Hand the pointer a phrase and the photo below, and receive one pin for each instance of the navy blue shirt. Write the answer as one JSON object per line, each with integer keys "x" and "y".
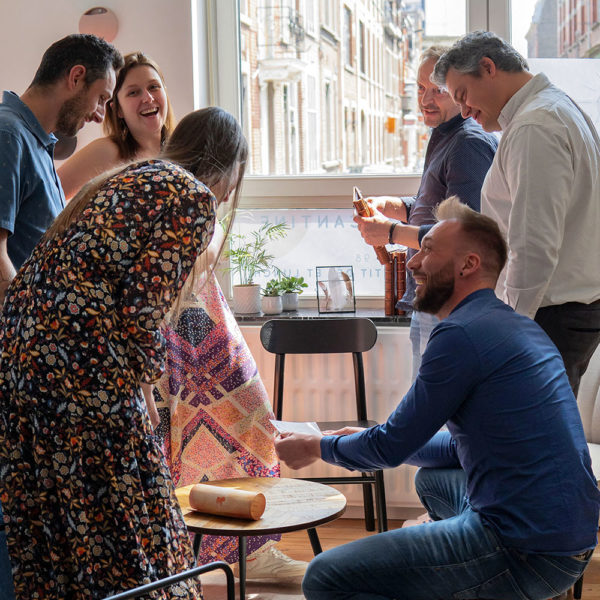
{"x": 459, "y": 155}
{"x": 497, "y": 381}
{"x": 30, "y": 192}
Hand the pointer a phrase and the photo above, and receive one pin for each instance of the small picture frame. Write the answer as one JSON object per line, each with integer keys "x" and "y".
{"x": 335, "y": 289}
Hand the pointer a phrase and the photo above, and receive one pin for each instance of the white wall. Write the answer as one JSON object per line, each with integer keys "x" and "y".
{"x": 160, "y": 28}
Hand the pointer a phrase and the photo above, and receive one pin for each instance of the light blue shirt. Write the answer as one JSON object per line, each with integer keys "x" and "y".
{"x": 30, "y": 192}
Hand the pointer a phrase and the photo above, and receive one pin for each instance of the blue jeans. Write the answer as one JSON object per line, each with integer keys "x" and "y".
{"x": 421, "y": 325}
{"x": 455, "y": 558}
{"x": 6, "y": 580}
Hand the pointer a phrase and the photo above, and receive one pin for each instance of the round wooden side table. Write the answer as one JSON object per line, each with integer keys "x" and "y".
{"x": 292, "y": 504}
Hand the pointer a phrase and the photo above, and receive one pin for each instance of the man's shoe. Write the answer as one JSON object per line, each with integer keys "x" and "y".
{"x": 272, "y": 564}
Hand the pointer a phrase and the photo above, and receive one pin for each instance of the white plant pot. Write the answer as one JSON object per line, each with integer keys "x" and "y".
{"x": 246, "y": 299}
{"x": 272, "y": 305}
{"x": 290, "y": 301}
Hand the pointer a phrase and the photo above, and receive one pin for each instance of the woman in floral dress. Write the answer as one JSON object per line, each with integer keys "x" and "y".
{"x": 214, "y": 409}
{"x": 88, "y": 500}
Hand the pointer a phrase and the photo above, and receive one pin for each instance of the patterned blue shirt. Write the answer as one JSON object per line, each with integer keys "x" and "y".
{"x": 30, "y": 192}
{"x": 498, "y": 382}
{"x": 459, "y": 155}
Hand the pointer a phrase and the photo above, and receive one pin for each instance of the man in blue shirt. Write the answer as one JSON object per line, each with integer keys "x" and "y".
{"x": 459, "y": 155}
{"x": 524, "y": 522}
{"x": 71, "y": 87}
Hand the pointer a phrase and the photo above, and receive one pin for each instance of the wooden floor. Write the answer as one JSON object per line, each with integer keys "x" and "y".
{"x": 334, "y": 534}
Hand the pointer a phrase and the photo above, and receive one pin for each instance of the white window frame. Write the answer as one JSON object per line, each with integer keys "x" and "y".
{"x": 331, "y": 191}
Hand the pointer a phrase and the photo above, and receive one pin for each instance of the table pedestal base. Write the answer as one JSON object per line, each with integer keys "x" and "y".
{"x": 242, "y": 549}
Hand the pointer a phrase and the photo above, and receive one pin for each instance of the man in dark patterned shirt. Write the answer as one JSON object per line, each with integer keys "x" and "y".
{"x": 458, "y": 157}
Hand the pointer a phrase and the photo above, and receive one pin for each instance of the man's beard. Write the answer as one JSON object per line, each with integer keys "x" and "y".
{"x": 71, "y": 114}
{"x": 438, "y": 288}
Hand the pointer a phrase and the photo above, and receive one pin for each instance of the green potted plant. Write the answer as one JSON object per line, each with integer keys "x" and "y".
{"x": 291, "y": 287}
{"x": 271, "y": 301}
{"x": 248, "y": 257}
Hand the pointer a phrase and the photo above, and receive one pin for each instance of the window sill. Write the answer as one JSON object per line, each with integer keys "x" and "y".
{"x": 376, "y": 316}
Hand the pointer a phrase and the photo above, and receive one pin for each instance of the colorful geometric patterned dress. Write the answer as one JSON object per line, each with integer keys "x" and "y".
{"x": 213, "y": 406}
{"x": 87, "y": 496}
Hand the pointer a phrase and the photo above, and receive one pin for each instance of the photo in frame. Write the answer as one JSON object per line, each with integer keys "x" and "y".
{"x": 335, "y": 289}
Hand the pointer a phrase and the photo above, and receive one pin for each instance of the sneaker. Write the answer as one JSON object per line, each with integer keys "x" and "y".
{"x": 424, "y": 518}
{"x": 272, "y": 564}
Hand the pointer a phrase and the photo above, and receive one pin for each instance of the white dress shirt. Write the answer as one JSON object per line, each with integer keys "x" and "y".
{"x": 543, "y": 189}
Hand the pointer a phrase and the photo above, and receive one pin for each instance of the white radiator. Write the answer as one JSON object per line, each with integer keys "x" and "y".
{"x": 321, "y": 388}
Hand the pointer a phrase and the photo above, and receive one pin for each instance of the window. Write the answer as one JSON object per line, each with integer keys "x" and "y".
{"x": 316, "y": 129}
{"x": 329, "y": 11}
{"x": 362, "y": 50}
{"x": 310, "y": 16}
{"x": 331, "y": 161}
{"x": 286, "y": 22}
{"x": 380, "y": 45}
{"x": 325, "y": 233}
{"x": 547, "y": 33}
{"x": 348, "y": 44}
{"x": 312, "y": 131}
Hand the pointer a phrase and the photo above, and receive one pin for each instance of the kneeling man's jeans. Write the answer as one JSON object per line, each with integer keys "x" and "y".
{"x": 457, "y": 557}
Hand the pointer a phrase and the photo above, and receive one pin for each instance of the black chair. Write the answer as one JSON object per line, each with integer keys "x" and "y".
{"x": 328, "y": 336}
{"x": 173, "y": 579}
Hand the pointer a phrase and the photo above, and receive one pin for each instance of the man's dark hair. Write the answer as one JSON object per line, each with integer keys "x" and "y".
{"x": 94, "y": 53}
{"x": 480, "y": 230}
{"x": 466, "y": 54}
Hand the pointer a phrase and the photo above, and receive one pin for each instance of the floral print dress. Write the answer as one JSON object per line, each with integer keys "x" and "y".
{"x": 88, "y": 502}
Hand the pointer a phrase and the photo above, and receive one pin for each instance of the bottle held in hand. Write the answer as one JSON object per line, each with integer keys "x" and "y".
{"x": 364, "y": 210}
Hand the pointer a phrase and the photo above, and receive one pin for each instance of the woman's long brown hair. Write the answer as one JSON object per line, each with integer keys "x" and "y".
{"x": 209, "y": 143}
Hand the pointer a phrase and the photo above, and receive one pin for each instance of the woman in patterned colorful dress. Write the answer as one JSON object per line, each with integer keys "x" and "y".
{"x": 214, "y": 409}
{"x": 88, "y": 500}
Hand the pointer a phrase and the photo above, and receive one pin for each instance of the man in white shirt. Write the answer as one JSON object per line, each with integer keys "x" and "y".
{"x": 543, "y": 189}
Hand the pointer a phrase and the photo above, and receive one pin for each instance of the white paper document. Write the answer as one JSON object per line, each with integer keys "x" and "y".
{"x": 295, "y": 427}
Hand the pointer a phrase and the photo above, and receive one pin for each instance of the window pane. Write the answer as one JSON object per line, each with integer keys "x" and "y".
{"x": 331, "y": 85}
{"x": 547, "y": 32}
{"x": 556, "y": 28}
{"x": 316, "y": 238}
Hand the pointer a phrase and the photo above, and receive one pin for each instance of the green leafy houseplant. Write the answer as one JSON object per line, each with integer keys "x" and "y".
{"x": 272, "y": 288}
{"x": 291, "y": 284}
{"x": 247, "y": 254}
